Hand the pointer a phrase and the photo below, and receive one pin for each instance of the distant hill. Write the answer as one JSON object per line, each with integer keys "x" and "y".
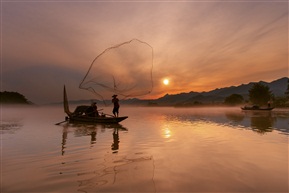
{"x": 13, "y": 98}
{"x": 216, "y": 96}
{"x": 278, "y": 88}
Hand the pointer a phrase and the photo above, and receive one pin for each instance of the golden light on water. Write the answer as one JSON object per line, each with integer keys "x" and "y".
{"x": 167, "y": 132}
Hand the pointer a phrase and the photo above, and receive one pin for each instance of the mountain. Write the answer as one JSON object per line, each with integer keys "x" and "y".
{"x": 278, "y": 88}
{"x": 216, "y": 96}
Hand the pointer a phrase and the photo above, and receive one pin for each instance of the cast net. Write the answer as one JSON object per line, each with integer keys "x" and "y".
{"x": 124, "y": 69}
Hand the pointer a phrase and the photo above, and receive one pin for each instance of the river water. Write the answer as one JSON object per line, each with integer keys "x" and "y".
{"x": 155, "y": 150}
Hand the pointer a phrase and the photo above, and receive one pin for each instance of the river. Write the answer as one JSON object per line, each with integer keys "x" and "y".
{"x": 157, "y": 149}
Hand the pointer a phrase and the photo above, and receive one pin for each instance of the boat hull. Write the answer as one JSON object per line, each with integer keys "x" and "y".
{"x": 85, "y": 119}
{"x": 257, "y": 109}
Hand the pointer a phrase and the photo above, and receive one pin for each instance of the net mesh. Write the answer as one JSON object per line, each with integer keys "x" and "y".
{"x": 124, "y": 69}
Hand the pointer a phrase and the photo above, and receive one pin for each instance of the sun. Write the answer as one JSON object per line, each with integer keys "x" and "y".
{"x": 166, "y": 82}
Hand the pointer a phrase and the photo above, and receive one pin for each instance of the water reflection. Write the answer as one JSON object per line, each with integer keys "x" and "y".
{"x": 120, "y": 174}
{"x": 235, "y": 117}
{"x": 262, "y": 124}
{"x": 91, "y": 130}
{"x": 115, "y": 144}
{"x": 9, "y": 127}
{"x": 259, "y": 122}
{"x": 167, "y": 132}
{"x": 106, "y": 171}
{"x": 64, "y": 139}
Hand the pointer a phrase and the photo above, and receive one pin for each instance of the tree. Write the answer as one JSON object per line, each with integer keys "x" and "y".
{"x": 287, "y": 91}
{"x": 260, "y": 94}
{"x": 13, "y": 98}
{"x": 234, "y": 99}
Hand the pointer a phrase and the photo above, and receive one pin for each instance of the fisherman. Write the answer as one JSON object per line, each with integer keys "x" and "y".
{"x": 269, "y": 103}
{"x": 115, "y": 105}
{"x": 92, "y": 110}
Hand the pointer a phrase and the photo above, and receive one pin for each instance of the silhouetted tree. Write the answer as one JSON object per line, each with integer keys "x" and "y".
{"x": 13, "y": 98}
{"x": 260, "y": 94}
{"x": 287, "y": 91}
{"x": 234, "y": 99}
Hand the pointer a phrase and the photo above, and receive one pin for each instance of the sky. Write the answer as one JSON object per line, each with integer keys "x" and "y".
{"x": 197, "y": 45}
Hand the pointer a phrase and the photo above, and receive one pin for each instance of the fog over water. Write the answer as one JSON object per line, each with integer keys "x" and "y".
{"x": 154, "y": 150}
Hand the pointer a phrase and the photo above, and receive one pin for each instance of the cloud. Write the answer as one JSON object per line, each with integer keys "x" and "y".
{"x": 199, "y": 45}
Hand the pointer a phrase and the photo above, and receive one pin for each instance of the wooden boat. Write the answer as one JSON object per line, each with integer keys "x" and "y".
{"x": 78, "y": 117}
{"x": 257, "y": 108}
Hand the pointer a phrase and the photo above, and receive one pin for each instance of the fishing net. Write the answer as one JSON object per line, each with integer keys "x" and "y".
{"x": 124, "y": 69}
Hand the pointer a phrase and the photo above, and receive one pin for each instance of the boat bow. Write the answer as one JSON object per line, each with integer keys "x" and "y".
{"x": 65, "y": 103}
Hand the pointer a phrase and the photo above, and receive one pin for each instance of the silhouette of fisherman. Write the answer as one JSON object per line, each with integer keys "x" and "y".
{"x": 115, "y": 102}
{"x": 92, "y": 110}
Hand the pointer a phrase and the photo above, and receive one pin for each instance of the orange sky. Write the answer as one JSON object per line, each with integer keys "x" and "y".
{"x": 198, "y": 46}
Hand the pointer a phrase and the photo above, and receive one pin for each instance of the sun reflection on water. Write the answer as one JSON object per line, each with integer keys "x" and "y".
{"x": 166, "y": 132}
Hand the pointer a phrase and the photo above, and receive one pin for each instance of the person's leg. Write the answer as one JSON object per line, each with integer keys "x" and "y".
{"x": 114, "y": 111}
{"x": 117, "y": 112}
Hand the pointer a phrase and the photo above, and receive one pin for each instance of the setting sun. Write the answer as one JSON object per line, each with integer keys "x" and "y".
{"x": 166, "y": 81}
